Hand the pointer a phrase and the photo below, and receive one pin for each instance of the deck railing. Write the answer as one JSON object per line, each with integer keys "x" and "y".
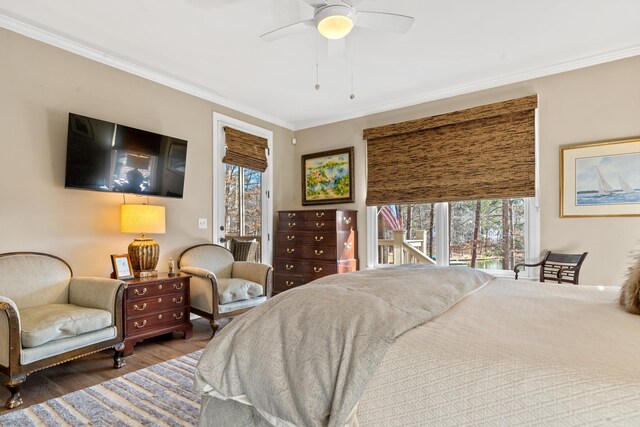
{"x": 401, "y": 251}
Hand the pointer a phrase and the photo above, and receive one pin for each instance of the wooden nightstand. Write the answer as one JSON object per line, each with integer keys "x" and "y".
{"x": 155, "y": 306}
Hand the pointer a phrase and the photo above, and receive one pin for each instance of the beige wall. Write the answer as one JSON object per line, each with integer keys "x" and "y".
{"x": 592, "y": 104}
{"x": 39, "y": 86}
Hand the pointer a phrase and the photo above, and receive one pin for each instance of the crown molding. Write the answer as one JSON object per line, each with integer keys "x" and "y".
{"x": 472, "y": 87}
{"x": 113, "y": 60}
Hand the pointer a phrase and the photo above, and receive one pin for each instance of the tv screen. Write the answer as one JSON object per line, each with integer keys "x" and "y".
{"x": 105, "y": 156}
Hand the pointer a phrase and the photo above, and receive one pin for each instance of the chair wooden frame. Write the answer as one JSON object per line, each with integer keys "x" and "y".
{"x": 563, "y": 268}
{"x": 216, "y": 315}
{"x": 18, "y": 372}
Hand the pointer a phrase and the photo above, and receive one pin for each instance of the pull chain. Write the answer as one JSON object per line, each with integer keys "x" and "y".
{"x": 353, "y": 49}
{"x": 317, "y": 87}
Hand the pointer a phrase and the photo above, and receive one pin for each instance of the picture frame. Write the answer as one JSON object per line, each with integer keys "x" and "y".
{"x": 122, "y": 268}
{"x": 327, "y": 177}
{"x": 600, "y": 179}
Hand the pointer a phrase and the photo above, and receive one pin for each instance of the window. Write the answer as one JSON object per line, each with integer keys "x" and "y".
{"x": 243, "y": 203}
{"x": 484, "y": 234}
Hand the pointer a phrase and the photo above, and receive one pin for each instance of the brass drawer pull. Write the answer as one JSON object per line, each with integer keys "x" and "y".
{"x": 319, "y": 224}
{"x": 135, "y": 307}
{"x": 319, "y": 252}
{"x": 317, "y": 269}
{"x": 175, "y": 286}
{"x": 319, "y": 238}
{"x": 137, "y": 325}
{"x": 288, "y": 283}
{"x": 290, "y": 250}
{"x": 137, "y": 291}
{"x": 178, "y": 301}
{"x": 160, "y": 287}
{"x": 319, "y": 214}
{"x": 291, "y": 215}
{"x": 288, "y": 267}
{"x": 347, "y": 220}
{"x": 348, "y": 245}
{"x": 175, "y": 316}
{"x": 159, "y": 299}
{"x": 159, "y": 316}
{"x": 292, "y": 224}
{"x": 291, "y": 237}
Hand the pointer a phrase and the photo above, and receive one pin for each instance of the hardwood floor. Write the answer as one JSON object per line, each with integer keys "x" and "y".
{"x": 93, "y": 369}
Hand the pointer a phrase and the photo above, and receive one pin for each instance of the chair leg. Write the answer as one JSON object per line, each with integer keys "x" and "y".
{"x": 13, "y": 384}
{"x": 118, "y": 356}
{"x": 214, "y": 325}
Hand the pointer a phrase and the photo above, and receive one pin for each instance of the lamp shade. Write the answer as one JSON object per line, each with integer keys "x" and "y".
{"x": 142, "y": 219}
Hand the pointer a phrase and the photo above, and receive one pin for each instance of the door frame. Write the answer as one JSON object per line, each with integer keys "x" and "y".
{"x": 219, "y": 122}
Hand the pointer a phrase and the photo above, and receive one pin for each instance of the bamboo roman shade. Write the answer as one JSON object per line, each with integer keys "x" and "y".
{"x": 486, "y": 152}
{"x": 246, "y": 150}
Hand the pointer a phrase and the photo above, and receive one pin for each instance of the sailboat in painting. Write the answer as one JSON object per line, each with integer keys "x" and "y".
{"x": 626, "y": 188}
{"x": 604, "y": 188}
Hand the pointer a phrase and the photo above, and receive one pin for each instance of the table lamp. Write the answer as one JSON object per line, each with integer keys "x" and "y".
{"x": 144, "y": 252}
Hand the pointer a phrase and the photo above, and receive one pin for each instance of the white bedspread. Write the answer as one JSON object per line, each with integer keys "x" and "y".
{"x": 515, "y": 353}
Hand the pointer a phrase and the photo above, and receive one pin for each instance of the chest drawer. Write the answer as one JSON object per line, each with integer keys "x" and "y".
{"x": 297, "y": 237}
{"x": 306, "y": 268}
{"x": 282, "y": 282}
{"x": 141, "y": 307}
{"x": 147, "y": 290}
{"x": 146, "y": 323}
{"x": 307, "y": 252}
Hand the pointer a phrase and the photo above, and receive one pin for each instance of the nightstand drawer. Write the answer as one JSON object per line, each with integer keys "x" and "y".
{"x": 144, "y": 324}
{"x": 142, "y": 307}
{"x": 146, "y": 290}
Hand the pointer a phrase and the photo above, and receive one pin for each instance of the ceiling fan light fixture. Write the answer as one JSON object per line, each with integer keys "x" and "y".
{"x": 335, "y": 22}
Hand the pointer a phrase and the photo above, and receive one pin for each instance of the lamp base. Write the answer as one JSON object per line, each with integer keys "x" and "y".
{"x": 144, "y": 254}
{"x": 145, "y": 273}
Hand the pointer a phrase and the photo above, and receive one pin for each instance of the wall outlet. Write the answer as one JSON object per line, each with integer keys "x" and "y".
{"x": 202, "y": 222}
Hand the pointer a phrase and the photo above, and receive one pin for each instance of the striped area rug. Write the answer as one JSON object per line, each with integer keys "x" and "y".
{"x": 160, "y": 395}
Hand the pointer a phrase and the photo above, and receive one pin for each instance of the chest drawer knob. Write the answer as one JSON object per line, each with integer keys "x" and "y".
{"x": 319, "y": 224}
{"x": 140, "y": 292}
{"x": 319, "y": 238}
{"x": 159, "y": 316}
{"x": 291, "y": 224}
{"x": 178, "y": 301}
{"x": 347, "y": 220}
{"x": 290, "y": 250}
{"x": 159, "y": 299}
{"x": 291, "y": 237}
{"x": 319, "y": 252}
{"x": 178, "y": 286}
{"x": 319, "y": 214}
{"x": 317, "y": 269}
{"x": 135, "y": 307}
{"x": 291, "y": 215}
{"x": 138, "y": 325}
{"x": 178, "y": 317}
{"x": 288, "y": 267}
{"x": 347, "y": 245}
{"x": 160, "y": 287}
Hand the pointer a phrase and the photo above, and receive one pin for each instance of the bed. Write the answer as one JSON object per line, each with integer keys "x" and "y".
{"x": 493, "y": 352}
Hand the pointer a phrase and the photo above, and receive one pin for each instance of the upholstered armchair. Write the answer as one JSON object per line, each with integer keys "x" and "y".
{"x": 47, "y": 316}
{"x": 222, "y": 287}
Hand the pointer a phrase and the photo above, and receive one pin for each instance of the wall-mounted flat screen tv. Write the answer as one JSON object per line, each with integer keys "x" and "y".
{"x": 105, "y": 156}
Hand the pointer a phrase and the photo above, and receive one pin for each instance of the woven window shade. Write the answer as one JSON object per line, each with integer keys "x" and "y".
{"x": 246, "y": 150}
{"x": 487, "y": 152}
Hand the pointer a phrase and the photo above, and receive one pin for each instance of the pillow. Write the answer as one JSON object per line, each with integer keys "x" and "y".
{"x": 232, "y": 290}
{"x": 630, "y": 292}
{"x": 241, "y": 249}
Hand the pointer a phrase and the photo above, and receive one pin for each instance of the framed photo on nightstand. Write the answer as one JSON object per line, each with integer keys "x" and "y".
{"x": 122, "y": 268}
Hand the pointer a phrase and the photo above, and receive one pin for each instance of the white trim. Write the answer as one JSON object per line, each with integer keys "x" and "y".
{"x": 219, "y": 122}
{"x": 372, "y": 236}
{"x": 477, "y": 86}
{"x": 442, "y": 233}
{"x": 114, "y": 60}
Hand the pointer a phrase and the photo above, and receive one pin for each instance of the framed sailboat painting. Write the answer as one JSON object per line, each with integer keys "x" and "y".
{"x": 600, "y": 179}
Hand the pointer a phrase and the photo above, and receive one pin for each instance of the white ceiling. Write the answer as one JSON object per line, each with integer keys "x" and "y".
{"x": 211, "y": 48}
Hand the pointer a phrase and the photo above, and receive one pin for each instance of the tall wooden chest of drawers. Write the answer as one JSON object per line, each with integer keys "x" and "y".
{"x": 314, "y": 243}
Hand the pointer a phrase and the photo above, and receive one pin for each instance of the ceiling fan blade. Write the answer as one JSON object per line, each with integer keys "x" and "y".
{"x": 336, "y": 48}
{"x": 316, "y": 3}
{"x": 287, "y": 30}
{"x": 353, "y": 3}
{"x": 383, "y": 21}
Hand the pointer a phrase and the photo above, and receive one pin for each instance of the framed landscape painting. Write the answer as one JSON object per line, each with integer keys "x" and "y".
{"x": 327, "y": 177}
{"x": 601, "y": 179}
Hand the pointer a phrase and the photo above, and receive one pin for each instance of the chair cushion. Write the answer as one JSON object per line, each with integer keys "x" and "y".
{"x": 43, "y": 323}
{"x": 231, "y": 290}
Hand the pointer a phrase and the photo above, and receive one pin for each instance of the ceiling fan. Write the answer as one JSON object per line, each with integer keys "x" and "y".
{"x": 335, "y": 19}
